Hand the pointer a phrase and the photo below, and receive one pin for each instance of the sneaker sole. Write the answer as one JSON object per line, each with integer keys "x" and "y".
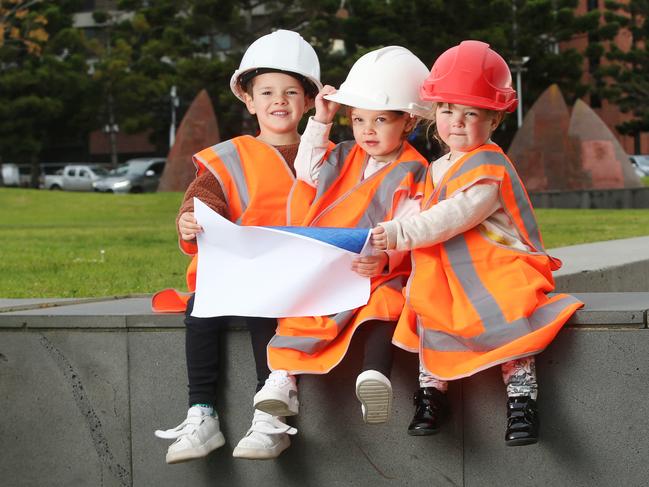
{"x": 260, "y": 453}
{"x": 521, "y": 441}
{"x": 376, "y": 398}
{"x": 210, "y": 445}
{"x": 276, "y": 407}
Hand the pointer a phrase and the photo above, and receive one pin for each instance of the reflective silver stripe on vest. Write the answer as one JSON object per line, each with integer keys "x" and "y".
{"x": 497, "y": 334}
{"x": 313, "y": 345}
{"x": 229, "y": 155}
{"x": 498, "y": 159}
{"x": 332, "y": 166}
{"x": 384, "y": 194}
{"x": 302, "y": 344}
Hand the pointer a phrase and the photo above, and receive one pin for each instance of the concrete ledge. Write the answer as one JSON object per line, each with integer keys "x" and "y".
{"x": 609, "y": 309}
{"x": 80, "y": 405}
{"x": 612, "y": 266}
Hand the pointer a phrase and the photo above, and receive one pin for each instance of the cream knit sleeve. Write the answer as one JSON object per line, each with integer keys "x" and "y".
{"x": 444, "y": 220}
{"x": 310, "y": 154}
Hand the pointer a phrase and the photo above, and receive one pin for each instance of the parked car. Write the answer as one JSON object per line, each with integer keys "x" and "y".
{"x": 135, "y": 176}
{"x": 640, "y": 164}
{"x": 75, "y": 177}
{"x": 10, "y": 175}
{"x": 53, "y": 181}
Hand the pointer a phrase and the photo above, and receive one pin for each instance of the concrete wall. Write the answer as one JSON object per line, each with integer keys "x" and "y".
{"x": 83, "y": 386}
{"x": 593, "y": 199}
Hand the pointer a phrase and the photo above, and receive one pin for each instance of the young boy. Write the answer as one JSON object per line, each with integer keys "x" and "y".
{"x": 357, "y": 184}
{"x": 477, "y": 295}
{"x": 248, "y": 180}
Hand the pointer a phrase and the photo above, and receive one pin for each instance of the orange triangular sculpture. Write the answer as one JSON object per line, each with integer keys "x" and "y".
{"x": 555, "y": 150}
{"x": 543, "y": 153}
{"x": 198, "y": 130}
{"x": 604, "y": 162}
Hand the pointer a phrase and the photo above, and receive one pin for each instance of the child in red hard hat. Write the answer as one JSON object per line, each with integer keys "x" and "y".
{"x": 478, "y": 293}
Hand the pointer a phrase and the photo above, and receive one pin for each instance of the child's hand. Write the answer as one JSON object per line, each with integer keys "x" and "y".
{"x": 188, "y": 226}
{"x": 325, "y": 110}
{"x": 370, "y": 265}
{"x": 379, "y": 238}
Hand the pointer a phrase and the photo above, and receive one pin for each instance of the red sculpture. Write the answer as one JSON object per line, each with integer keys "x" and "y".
{"x": 544, "y": 155}
{"x": 556, "y": 151}
{"x": 198, "y": 130}
{"x": 604, "y": 162}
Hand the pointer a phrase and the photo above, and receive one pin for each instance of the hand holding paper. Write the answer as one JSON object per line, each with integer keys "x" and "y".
{"x": 273, "y": 272}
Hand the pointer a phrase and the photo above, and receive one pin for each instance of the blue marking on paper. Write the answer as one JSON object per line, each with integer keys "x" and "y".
{"x": 351, "y": 239}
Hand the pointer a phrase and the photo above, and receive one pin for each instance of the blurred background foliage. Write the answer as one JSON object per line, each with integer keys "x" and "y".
{"x": 57, "y": 83}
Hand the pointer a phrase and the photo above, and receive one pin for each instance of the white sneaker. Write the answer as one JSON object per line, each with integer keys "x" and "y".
{"x": 196, "y": 437}
{"x": 279, "y": 395}
{"x": 374, "y": 391}
{"x": 266, "y": 438}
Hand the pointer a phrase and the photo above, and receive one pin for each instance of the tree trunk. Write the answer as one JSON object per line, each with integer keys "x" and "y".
{"x": 637, "y": 145}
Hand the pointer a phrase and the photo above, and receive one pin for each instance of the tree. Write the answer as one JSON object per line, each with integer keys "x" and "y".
{"x": 624, "y": 79}
{"x": 42, "y": 81}
{"x": 514, "y": 28}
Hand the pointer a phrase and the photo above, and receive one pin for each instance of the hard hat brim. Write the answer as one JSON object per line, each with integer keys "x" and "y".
{"x": 238, "y": 92}
{"x": 472, "y": 101}
{"x": 356, "y": 101}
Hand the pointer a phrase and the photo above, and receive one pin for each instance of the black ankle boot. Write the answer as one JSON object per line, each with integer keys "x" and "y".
{"x": 430, "y": 413}
{"x": 522, "y": 421}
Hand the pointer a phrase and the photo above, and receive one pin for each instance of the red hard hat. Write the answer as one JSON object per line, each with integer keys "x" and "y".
{"x": 471, "y": 74}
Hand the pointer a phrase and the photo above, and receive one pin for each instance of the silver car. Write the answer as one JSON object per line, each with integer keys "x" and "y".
{"x": 135, "y": 176}
{"x": 640, "y": 164}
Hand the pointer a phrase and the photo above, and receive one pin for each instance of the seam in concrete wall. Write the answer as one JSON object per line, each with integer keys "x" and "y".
{"x": 82, "y": 401}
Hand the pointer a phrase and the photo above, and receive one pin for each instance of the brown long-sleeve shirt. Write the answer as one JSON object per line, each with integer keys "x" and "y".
{"x": 206, "y": 188}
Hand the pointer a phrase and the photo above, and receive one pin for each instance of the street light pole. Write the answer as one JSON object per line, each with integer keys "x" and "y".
{"x": 517, "y": 67}
{"x": 111, "y": 128}
{"x": 175, "y": 102}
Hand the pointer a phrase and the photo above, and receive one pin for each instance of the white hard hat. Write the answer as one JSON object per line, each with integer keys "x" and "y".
{"x": 283, "y": 50}
{"x": 385, "y": 79}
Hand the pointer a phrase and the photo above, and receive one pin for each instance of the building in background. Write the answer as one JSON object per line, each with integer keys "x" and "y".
{"x": 607, "y": 111}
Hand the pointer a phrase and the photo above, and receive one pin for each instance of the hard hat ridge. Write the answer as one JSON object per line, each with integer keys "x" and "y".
{"x": 471, "y": 74}
{"x": 385, "y": 79}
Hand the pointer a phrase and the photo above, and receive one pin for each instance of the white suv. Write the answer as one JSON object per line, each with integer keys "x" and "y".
{"x": 75, "y": 177}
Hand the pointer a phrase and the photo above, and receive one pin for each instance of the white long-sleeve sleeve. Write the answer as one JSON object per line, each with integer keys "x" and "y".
{"x": 311, "y": 151}
{"x": 446, "y": 219}
{"x": 310, "y": 158}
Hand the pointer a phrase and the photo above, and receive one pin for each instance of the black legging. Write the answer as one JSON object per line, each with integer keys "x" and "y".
{"x": 202, "y": 338}
{"x": 378, "y": 348}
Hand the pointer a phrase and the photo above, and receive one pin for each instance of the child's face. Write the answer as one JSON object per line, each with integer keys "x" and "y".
{"x": 278, "y": 100}
{"x": 380, "y": 133}
{"x": 464, "y": 128}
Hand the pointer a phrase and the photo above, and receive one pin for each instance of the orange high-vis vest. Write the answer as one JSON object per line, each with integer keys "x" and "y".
{"x": 344, "y": 199}
{"x": 471, "y": 301}
{"x": 256, "y": 182}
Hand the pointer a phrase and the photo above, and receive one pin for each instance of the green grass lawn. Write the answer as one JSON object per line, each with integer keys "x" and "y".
{"x": 51, "y": 242}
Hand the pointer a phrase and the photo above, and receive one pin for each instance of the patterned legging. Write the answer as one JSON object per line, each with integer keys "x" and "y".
{"x": 518, "y": 375}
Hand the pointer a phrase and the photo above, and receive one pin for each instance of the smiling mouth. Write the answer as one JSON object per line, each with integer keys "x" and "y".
{"x": 279, "y": 113}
